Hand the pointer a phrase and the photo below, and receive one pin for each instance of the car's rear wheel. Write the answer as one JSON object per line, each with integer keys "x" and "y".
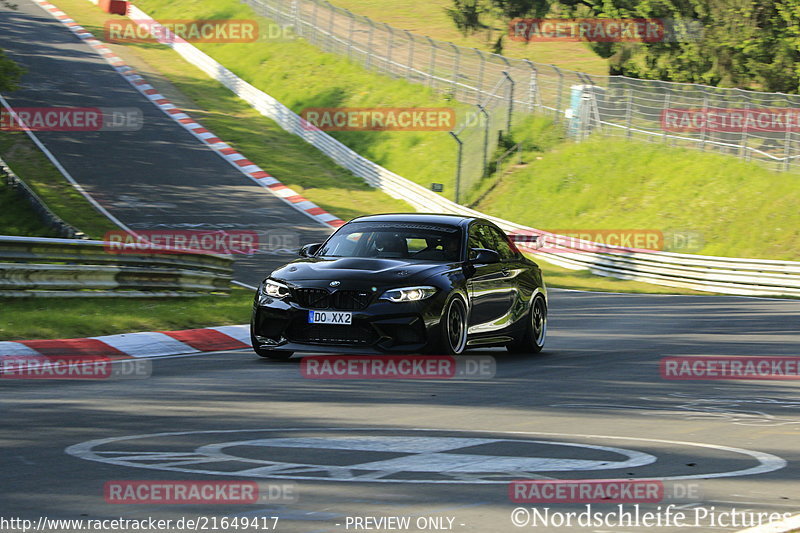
{"x": 532, "y": 341}
{"x": 454, "y": 327}
{"x": 278, "y": 355}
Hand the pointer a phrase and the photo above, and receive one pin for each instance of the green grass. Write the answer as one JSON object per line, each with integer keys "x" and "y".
{"x": 740, "y": 209}
{"x": 33, "y": 318}
{"x": 31, "y": 165}
{"x": 428, "y": 17}
{"x": 16, "y": 216}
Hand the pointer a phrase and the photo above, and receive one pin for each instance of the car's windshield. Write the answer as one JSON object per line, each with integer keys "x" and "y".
{"x": 424, "y": 242}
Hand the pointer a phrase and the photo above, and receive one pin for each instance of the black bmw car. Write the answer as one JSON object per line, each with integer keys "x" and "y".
{"x": 403, "y": 283}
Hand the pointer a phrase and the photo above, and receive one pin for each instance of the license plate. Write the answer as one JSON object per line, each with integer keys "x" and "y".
{"x": 330, "y": 317}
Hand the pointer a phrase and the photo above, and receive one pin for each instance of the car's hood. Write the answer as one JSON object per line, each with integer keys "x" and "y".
{"x": 354, "y": 269}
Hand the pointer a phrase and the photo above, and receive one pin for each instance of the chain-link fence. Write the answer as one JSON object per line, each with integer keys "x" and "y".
{"x": 751, "y": 125}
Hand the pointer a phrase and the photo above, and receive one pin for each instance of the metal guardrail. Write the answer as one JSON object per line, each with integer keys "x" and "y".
{"x": 34, "y": 266}
{"x": 702, "y": 273}
{"x": 40, "y": 208}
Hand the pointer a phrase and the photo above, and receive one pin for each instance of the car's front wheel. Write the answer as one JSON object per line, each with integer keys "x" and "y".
{"x": 454, "y": 327}
{"x": 532, "y": 341}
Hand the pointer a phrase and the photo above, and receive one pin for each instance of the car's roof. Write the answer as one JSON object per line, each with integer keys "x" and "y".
{"x": 430, "y": 218}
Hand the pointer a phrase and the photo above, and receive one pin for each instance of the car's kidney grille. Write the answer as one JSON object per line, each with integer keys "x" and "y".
{"x": 330, "y": 334}
{"x": 312, "y": 298}
{"x": 351, "y": 300}
{"x": 342, "y": 300}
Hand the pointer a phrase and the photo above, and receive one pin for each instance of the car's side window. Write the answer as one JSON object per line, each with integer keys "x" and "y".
{"x": 479, "y": 237}
{"x": 501, "y": 244}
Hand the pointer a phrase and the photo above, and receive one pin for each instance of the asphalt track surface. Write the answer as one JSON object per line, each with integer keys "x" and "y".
{"x": 592, "y": 406}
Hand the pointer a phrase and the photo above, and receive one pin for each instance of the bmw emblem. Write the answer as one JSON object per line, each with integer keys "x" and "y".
{"x": 335, "y": 283}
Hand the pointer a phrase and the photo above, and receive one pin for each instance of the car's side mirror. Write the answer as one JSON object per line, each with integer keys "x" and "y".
{"x": 483, "y": 256}
{"x": 310, "y": 249}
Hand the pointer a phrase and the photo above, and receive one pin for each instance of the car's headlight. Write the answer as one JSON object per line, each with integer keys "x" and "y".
{"x": 272, "y": 289}
{"x": 408, "y": 294}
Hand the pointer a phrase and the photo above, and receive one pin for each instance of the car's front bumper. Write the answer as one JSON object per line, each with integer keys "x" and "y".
{"x": 382, "y": 327}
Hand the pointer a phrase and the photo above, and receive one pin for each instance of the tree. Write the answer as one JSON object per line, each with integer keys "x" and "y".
{"x": 743, "y": 43}
{"x": 467, "y": 14}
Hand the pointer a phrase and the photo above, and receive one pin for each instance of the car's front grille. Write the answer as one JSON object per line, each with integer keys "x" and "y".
{"x": 312, "y": 298}
{"x": 351, "y": 300}
{"x": 330, "y": 334}
{"x": 345, "y": 300}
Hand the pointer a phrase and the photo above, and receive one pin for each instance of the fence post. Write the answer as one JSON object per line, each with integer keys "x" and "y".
{"x": 743, "y": 141}
{"x": 666, "y": 106}
{"x": 787, "y": 148}
{"x": 558, "y": 93}
{"x": 481, "y": 68}
{"x": 458, "y": 166}
{"x": 432, "y": 66}
{"x": 296, "y": 15}
{"x": 533, "y": 89}
{"x": 350, "y": 34}
{"x": 314, "y": 37}
{"x": 629, "y": 112}
{"x": 703, "y": 129}
{"x": 331, "y": 41}
{"x": 486, "y": 121}
{"x": 369, "y": 42}
{"x": 410, "y": 65}
{"x": 510, "y": 100}
{"x": 456, "y": 64}
{"x": 389, "y": 46}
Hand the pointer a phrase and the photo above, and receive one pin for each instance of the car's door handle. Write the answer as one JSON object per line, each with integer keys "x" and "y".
{"x": 505, "y": 272}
